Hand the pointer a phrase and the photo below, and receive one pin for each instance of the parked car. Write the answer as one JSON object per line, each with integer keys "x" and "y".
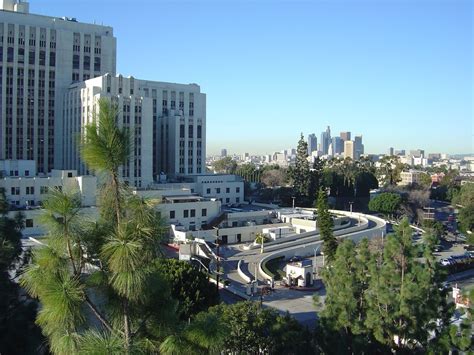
{"x": 446, "y": 262}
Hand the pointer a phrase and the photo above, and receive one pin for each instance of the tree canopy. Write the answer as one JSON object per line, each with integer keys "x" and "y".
{"x": 381, "y": 300}
{"x": 387, "y": 203}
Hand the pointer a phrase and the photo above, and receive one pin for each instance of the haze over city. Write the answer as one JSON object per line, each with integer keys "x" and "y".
{"x": 397, "y": 72}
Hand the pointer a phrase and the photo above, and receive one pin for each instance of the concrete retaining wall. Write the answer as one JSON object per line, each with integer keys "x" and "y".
{"x": 353, "y": 233}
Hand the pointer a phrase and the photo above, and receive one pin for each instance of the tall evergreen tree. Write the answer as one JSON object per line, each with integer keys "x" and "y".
{"x": 325, "y": 225}
{"x": 316, "y": 176}
{"x": 100, "y": 282}
{"x": 344, "y": 309}
{"x": 403, "y": 295}
{"x": 299, "y": 173}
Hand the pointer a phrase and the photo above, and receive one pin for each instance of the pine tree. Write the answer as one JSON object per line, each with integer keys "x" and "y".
{"x": 325, "y": 225}
{"x": 100, "y": 283}
{"x": 299, "y": 173}
{"x": 403, "y": 296}
{"x": 343, "y": 316}
{"x": 316, "y": 177}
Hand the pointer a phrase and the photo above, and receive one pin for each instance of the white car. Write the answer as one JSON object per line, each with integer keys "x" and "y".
{"x": 445, "y": 262}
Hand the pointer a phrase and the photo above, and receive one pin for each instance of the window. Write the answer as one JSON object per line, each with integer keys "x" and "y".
{"x": 10, "y": 54}
{"x": 43, "y": 190}
{"x": 190, "y": 131}
{"x": 204, "y": 212}
{"x": 227, "y": 190}
{"x": 193, "y": 213}
{"x": 237, "y": 189}
{"x": 42, "y": 58}
{"x": 96, "y": 63}
{"x": 27, "y": 173}
{"x": 31, "y": 57}
{"x": 199, "y": 131}
{"x": 75, "y": 61}
{"x": 87, "y": 62}
{"x": 69, "y": 174}
{"x": 172, "y": 214}
{"x": 29, "y": 223}
{"x": 30, "y": 190}
{"x": 218, "y": 190}
{"x": 237, "y": 200}
{"x": 181, "y": 131}
{"x": 52, "y": 59}
{"x": 185, "y": 213}
{"x": 227, "y": 200}
{"x": 15, "y": 190}
{"x": 208, "y": 191}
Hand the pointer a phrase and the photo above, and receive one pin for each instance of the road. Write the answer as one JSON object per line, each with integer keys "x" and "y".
{"x": 298, "y": 303}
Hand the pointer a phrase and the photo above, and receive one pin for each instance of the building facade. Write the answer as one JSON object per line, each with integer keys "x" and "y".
{"x": 345, "y": 136}
{"x": 167, "y": 123}
{"x": 40, "y": 56}
{"x": 312, "y": 143}
{"x": 337, "y": 145}
{"x": 349, "y": 150}
{"x": 325, "y": 140}
{"x": 358, "y": 147}
{"x": 25, "y": 190}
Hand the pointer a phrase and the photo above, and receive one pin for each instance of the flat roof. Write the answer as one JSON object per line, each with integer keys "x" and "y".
{"x": 184, "y": 198}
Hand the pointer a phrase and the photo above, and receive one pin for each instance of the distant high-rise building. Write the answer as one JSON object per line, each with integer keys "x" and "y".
{"x": 349, "y": 151}
{"x": 312, "y": 143}
{"x": 325, "y": 140}
{"x": 400, "y": 152}
{"x": 41, "y": 56}
{"x": 223, "y": 153}
{"x": 337, "y": 145}
{"x": 417, "y": 153}
{"x": 358, "y": 147}
{"x": 330, "y": 151}
{"x": 390, "y": 151}
{"x": 345, "y": 136}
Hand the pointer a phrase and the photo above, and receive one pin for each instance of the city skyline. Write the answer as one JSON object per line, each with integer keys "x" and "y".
{"x": 397, "y": 72}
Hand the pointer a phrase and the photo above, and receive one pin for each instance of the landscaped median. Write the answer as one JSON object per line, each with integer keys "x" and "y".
{"x": 273, "y": 267}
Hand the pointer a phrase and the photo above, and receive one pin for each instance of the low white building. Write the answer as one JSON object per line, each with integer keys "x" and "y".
{"x": 229, "y": 189}
{"x": 25, "y": 190}
{"x": 300, "y": 273}
{"x": 182, "y": 208}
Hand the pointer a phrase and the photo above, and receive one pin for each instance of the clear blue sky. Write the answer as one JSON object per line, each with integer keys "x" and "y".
{"x": 398, "y": 72}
